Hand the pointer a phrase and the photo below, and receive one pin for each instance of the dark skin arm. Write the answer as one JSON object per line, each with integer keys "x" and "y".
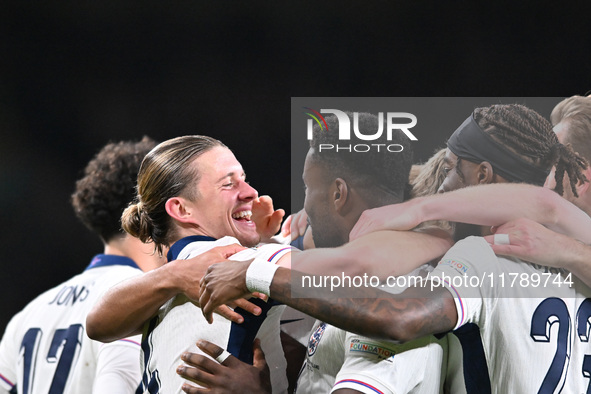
{"x": 371, "y": 312}
{"x": 366, "y": 311}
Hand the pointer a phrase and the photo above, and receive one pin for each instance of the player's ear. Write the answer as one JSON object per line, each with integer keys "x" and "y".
{"x": 340, "y": 195}
{"x": 484, "y": 173}
{"x": 583, "y": 187}
{"x": 180, "y": 210}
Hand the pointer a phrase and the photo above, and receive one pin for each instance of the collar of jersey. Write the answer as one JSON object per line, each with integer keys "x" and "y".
{"x": 103, "y": 260}
{"x": 179, "y": 245}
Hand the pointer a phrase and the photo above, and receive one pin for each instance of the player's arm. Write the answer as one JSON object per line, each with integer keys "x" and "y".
{"x": 531, "y": 241}
{"x": 489, "y": 205}
{"x": 367, "y": 311}
{"x": 371, "y": 312}
{"x": 379, "y": 254}
{"x": 123, "y": 309}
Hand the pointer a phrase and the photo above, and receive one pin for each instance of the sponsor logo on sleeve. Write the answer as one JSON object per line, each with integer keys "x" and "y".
{"x": 360, "y": 346}
{"x": 459, "y": 266}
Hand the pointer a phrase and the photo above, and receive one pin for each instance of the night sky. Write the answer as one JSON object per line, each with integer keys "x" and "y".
{"x": 76, "y": 75}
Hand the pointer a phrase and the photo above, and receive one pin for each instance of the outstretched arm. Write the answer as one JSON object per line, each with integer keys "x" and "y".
{"x": 122, "y": 311}
{"x": 371, "y": 312}
{"x": 379, "y": 254}
{"x": 366, "y": 311}
{"x": 502, "y": 201}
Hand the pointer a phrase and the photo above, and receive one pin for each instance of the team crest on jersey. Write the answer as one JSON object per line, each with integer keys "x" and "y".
{"x": 315, "y": 339}
{"x": 359, "y": 346}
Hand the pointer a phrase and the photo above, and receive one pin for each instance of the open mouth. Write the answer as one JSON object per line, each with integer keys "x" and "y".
{"x": 242, "y": 216}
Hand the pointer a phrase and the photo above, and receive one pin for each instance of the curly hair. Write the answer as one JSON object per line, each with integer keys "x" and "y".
{"x": 108, "y": 186}
{"x": 530, "y": 135}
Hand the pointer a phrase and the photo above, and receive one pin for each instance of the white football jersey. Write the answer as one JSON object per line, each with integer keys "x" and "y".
{"x": 533, "y": 326}
{"x": 337, "y": 359}
{"x": 45, "y": 348}
{"x": 179, "y": 324}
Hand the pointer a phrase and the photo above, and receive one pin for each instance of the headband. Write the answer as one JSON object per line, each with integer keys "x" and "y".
{"x": 469, "y": 142}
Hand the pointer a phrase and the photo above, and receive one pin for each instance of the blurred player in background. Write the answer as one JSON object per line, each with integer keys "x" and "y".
{"x": 45, "y": 348}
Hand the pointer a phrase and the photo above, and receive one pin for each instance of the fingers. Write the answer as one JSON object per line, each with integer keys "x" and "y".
{"x": 258, "y": 360}
{"x": 206, "y": 308}
{"x": 286, "y": 227}
{"x": 187, "y": 388}
{"x": 262, "y": 296}
{"x": 198, "y": 370}
{"x": 505, "y": 250}
{"x": 295, "y": 225}
{"x": 276, "y": 219}
{"x": 215, "y": 351}
{"x": 300, "y": 223}
{"x": 228, "y": 250}
{"x": 489, "y": 239}
{"x": 265, "y": 203}
{"x": 248, "y": 306}
{"x": 206, "y": 365}
{"x": 267, "y": 219}
{"x": 229, "y": 314}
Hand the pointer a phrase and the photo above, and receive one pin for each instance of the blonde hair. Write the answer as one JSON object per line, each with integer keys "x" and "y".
{"x": 165, "y": 173}
{"x": 575, "y": 113}
{"x": 426, "y": 181}
{"x": 429, "y": 176}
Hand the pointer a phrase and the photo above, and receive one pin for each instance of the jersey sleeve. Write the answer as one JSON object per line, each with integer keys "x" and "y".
{"x": 118, "y": 366}
{"x": 270, "y": 252}
{"x": 8, "y": 353}
{"x": 372, "y": 366}
{"x": 468, "y": 270}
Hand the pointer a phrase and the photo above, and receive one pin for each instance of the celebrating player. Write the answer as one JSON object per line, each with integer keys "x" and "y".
{"x": 45, "y": 347}
{"x": 497, "y": 144}
{"x": 192, "y": 194}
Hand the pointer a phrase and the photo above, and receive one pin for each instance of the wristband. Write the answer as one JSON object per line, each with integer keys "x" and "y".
{"x": 259, "y": 276}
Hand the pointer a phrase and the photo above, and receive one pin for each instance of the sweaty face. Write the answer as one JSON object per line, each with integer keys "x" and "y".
{"x": 224, "y": 199}
{"x": 321, "y": 213}
{"x": 457, "y": 175}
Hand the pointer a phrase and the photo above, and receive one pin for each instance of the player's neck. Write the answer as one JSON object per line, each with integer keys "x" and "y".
{"x": 142, "y": 254}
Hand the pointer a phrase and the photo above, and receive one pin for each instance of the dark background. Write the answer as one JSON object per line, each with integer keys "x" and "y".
{"x": 76, "y": 75}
